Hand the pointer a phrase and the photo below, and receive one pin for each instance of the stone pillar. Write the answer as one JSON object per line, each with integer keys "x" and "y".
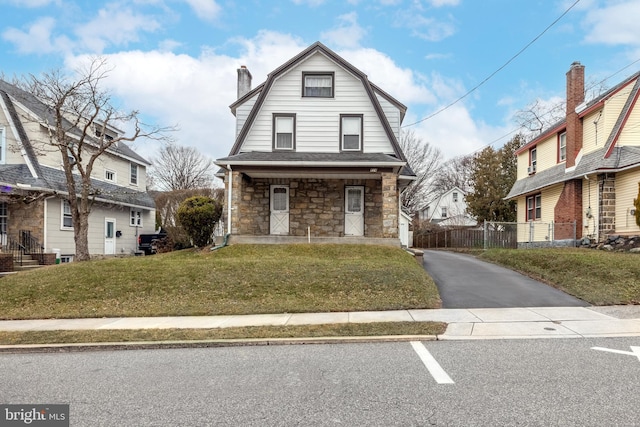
{"x": 390, "y": 205}
{"x": 236, "y": 189}
{"x": 607, "y": 203}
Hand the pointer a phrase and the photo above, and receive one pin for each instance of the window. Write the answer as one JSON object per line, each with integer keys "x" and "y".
{"x": 351, "y": 132}
{"x": 135, "y": 220}
{"x": 444, "y": 212}
{"x": 534, "y": 207}
{"x": 4, "y": 216}
{"x": 455, "y": 196}
{"x": 67, "y": 218}
{"x": 317, "y": 85}
{"x": 284, "y": 134}
{"x": 110, "y": 175}
{"x": 533, "y": 160}
{"x": 66, "y": 258}
{"x": 134, "y": 174}
{"x": 562, "y": 147}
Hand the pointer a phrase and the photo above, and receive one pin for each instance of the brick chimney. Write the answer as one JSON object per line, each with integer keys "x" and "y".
{"x": 575, "y": 97}
{"x": 244, "y": 81}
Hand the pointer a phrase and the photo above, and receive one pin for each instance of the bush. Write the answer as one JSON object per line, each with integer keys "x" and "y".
{"x": 198, "y": 216}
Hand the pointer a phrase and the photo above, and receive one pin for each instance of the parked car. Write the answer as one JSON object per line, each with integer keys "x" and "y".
{"x": 147, "y": 243}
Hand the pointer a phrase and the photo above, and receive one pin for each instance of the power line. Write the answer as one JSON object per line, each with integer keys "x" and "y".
{"x": 496, "y": 71}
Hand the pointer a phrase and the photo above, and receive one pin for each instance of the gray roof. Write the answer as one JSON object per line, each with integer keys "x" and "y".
{"x": 621, "y": 158}
{"x": 46, "y": 115}
{"x": 54, "y": 181}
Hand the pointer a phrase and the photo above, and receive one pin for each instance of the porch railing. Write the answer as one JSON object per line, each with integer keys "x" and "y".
{"x": 25, "y": 244}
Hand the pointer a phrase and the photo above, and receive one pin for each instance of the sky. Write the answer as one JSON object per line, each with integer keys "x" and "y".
{"x": 464, "y": 68}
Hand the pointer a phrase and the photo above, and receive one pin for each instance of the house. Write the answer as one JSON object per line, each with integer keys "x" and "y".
{"x": 579, "y": 178}
{"x": 33, "y": 207}
{"x": 316, "y": 156}
{"x": 448, "y": 210}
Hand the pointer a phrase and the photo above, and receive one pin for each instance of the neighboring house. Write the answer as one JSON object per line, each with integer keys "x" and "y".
{"x": 585, "y": 168}
{"x": 316, "y": 155}
{"x": 32, "y": 201}
{"x": 448, "y": 210}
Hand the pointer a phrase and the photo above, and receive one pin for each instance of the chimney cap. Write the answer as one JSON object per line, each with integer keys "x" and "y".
{"x": 576, "y": 64}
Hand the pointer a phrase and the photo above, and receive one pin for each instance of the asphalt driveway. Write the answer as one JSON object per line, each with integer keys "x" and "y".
{"x": 467, "y": 282}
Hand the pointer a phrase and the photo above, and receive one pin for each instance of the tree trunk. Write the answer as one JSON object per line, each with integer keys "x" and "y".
{"x": 80, "y": 234}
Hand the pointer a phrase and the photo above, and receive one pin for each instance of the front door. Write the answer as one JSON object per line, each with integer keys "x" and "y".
{"x": 279, "y": 200}
{"x": 109, "y": 236}
{"x": 354, "y": 211}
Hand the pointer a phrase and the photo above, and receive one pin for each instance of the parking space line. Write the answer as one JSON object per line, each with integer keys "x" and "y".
{"x": 432, "y": 364}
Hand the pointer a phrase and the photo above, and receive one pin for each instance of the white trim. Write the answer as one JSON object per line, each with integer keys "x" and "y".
{"x": 135, "y": 214}
{"x": 17, "y": 138}
{"x": 62, "y": 226}
{"x": 311, "y": 163}
{"x": 115, "y": 175}
{"x": 137, "y": 183}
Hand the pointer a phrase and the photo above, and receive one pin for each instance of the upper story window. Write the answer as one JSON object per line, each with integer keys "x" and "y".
{"x": 533, "y": 160}
{"x": 133, "y": 178}
{"x": 562, "y": 147}
{"x": 284, "y": 131}
{"x": 351, "y": 132}
{"x": 110, "y": 175}
{"x": 318, "y": 85}
{"x": 67, "y": 217}
{"x": 534, "y": 207}
{"x": 455, "y": 196}
{"x": 443, "y": 213}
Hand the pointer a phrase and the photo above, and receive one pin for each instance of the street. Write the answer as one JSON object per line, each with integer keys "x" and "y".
{"x": 493, "y": 382}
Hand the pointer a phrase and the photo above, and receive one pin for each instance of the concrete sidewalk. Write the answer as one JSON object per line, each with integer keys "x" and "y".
{"x": 479, "y": 323}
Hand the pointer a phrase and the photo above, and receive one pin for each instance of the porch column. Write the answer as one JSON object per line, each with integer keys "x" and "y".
{"x": 236, "y": 189}
{"x": 607, "y": 202}
{"x": 390, "y": 205}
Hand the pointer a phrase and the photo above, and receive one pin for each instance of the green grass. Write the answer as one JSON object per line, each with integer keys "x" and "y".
{"x": 239, "y": 279}
{"x": 598, "y": 277}
{"x": 267, "y": 332}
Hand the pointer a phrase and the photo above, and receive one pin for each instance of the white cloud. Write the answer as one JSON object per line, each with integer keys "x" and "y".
{"x": 34, "y": 3}
{"x": 347, "y": 34}
{"x": 114, "y": 25}
{"x": 37, "y": 38}
{"x": 424, "y": 27}
{"x": 441, "y": 3}
{"x": 614, "y": 24}
{"x": 208, "y": 10}
{"x": 311, "y": 3}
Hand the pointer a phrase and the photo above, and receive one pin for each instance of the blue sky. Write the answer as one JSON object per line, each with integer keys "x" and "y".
{"x": 175, "y": 60}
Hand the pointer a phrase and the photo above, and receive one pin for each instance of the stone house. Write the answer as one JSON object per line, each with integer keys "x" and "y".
{"x": 316, "y": 156}
{"x": 34, "y": 211}
{"x": 585, "y": 169}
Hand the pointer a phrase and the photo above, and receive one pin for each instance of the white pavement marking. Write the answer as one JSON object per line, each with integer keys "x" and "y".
{"x": 432, "y": 364}
{"x": 635, "y": 351}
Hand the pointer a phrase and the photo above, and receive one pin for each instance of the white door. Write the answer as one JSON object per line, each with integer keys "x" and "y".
{"x": 279, "y": 200}
{"x": 109, "y": 236}
{"x": 354, "y": 211}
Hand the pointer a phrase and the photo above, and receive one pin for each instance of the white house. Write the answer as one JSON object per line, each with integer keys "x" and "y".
{"x": 448, "y": 210}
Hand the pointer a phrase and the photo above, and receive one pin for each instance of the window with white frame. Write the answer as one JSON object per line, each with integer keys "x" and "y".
{"x": 533, "y": 160}
{"x": 350, "y": 132}
{"x": 110, "y": 175}
{"x": 534, "y": 207}
{"x": 135, "y": 220}
{"x": 562, "y": 147}
{"x": 284, "y": 131}
{"x": 443, "y": 213}
{"x": 134, "y": 174}
{"x": 67, "y": 217}
{"x": 318, "y": 85}
{"x": 455, "y": 196}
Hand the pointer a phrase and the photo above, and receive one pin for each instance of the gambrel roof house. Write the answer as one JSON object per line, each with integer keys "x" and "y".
{"x": 586, "y": 168}
{"x": 448, "y": 210}
{"x": 316, "y": 155}
{"x": 32, "y": 202}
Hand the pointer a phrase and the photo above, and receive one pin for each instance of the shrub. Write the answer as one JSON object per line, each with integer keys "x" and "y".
{"x": 198, "y": 216}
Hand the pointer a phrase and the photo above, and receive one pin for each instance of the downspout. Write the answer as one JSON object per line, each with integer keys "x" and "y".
{"x": 230, "y": 189}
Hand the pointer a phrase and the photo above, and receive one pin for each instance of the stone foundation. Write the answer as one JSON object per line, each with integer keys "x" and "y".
{"x": 615, "y": 243}
{"x": 6, "y": 262}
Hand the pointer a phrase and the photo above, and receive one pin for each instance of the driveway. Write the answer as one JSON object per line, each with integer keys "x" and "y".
{"x": 466, "y": 282}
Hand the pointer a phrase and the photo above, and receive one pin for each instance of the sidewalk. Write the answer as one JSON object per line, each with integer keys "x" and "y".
{"x": 477, "y": 323}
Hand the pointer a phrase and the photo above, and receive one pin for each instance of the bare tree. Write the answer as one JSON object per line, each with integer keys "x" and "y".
{"x": 425, "y": 160}
{"x": 79, "y": 113}
{"x": 455, "y": 172}
{"x": 181, "y": 168}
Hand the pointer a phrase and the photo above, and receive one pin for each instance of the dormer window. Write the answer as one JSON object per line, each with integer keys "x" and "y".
{"x": 562, "y": 147}
{"x": 317, "y": 85}
{"x": 284, "y": 131}
{"x": 350, "y": 132}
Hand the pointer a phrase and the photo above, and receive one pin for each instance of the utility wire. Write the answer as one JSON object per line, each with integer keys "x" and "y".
{"x": 496, "y": 71}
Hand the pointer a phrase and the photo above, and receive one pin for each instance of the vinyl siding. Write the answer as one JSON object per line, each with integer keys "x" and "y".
{"x": 56, "y": 238}
{"x": 593, "y": 140}
{"x": 317, "y": 119}
{"x": 626, "y": 192}
{"x": 630, "y": 134}
{"x": 590, "y": 199}
{"x": 242, "y": 112}
{"x": 539, "y": 230}
{"x": 547, "y": 155}
{"x": 392, "y": 114}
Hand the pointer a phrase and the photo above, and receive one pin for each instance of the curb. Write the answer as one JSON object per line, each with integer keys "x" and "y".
{"x": 155, "y": 345}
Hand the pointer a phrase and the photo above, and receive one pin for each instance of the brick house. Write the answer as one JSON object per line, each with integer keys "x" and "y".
{"x": 316, "y": 156}
{"x": 585, "y": 168}
{"x": 34, "y": 210}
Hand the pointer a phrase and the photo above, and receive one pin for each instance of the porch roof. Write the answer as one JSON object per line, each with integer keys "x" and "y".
{"x": 18, "y": 177}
